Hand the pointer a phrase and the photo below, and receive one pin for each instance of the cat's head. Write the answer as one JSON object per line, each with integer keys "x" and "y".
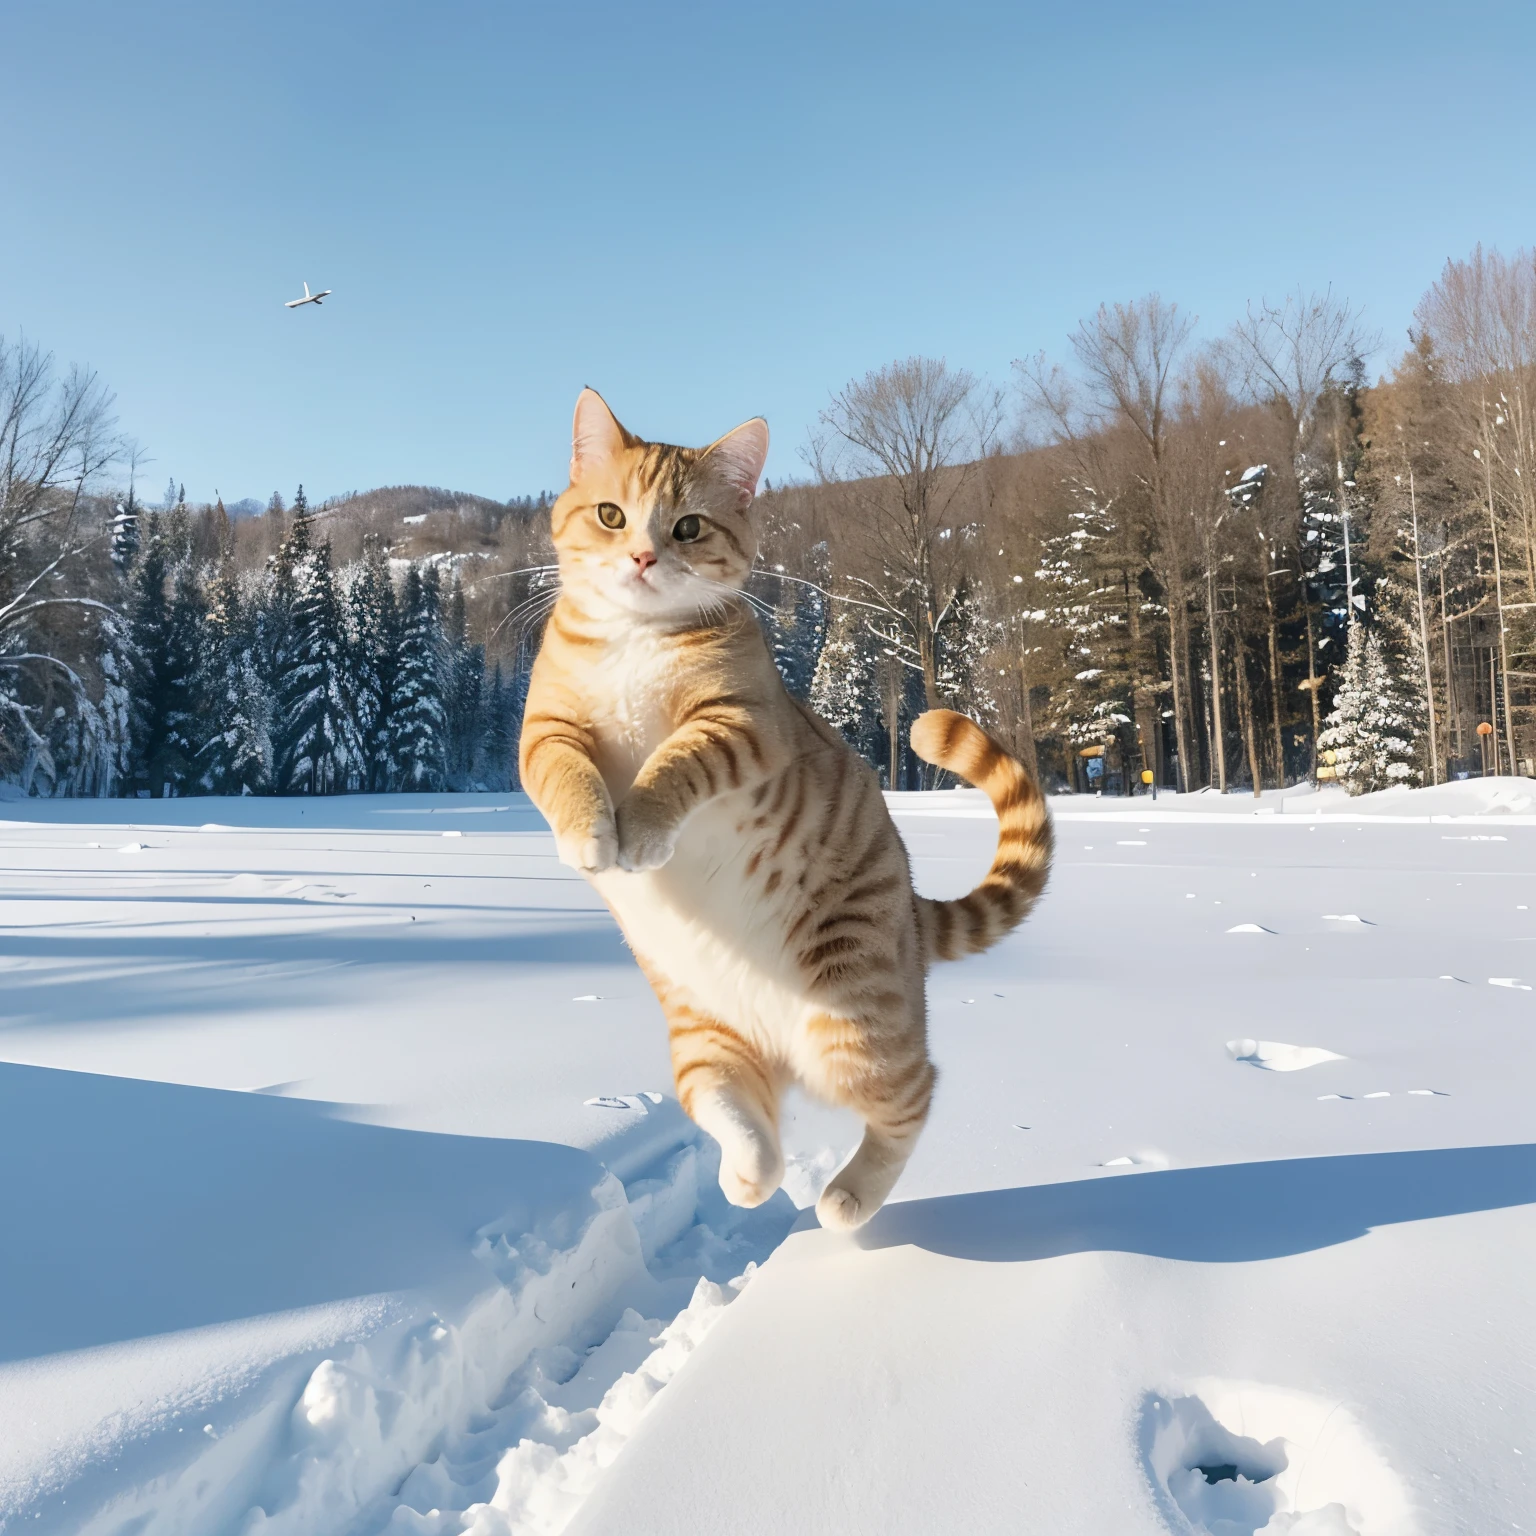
{"x": 652, "y": 530}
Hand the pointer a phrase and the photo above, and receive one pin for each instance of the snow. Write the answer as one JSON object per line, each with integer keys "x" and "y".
{"x": 349, "y": 1193}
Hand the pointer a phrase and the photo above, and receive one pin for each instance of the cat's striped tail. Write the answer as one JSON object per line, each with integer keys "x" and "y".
{"x": 1022, "y": 863}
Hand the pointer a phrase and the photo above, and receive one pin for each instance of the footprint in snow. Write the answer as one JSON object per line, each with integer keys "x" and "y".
{"x": 1251, "y": 928}
{"x": 1277, "y": 1056}
{"x": 1352, "y": 918}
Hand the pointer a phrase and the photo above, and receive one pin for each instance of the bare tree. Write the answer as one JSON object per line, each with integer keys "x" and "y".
{"x": 1480, "y": 320}
{"x": 905, "y": 442}
{"x": 1129, "y": 355}
{"x": 1290, "y": 355}
{"x": 57, "y": 435}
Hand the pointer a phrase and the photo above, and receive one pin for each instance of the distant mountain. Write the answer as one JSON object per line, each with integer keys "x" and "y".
{"x": 247, "y": 506}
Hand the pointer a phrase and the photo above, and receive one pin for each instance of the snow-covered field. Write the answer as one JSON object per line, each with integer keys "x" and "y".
{"x": 345, "y": 1191}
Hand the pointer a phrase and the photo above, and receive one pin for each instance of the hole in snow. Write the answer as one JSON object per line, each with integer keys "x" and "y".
{"x": 1244, "y": 1459}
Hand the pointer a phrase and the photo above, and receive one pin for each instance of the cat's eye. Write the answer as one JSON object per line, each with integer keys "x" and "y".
{"x": 609, "y": 515}
{"x": 686, "y": 529}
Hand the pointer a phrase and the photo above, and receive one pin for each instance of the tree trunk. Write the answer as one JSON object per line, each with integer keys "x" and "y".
{"x": 1143, "y": 695}
{"x": 1218, "y": 745}
{"x": 1274, "y": 684}
{"x": 1245, "y": 708}
{"x": 1455, "y": 744}
{"x": 1429, "y": 676}
{"x": 1313, "y": 688}
{"x": 926, "y": 647}
{"x": 1025, "y": 738}
{"x": 1183, "y": 692}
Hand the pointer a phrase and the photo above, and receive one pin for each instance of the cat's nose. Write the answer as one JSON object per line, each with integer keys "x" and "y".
{"x": 644, "y": 558}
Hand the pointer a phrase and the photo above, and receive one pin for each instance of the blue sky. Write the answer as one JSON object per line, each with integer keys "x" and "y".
{"x": 706, "y": 212}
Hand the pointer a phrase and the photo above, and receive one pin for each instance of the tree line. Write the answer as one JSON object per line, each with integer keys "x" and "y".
{"x": 298, "y": 677}
{"x": 1229, "y": 562}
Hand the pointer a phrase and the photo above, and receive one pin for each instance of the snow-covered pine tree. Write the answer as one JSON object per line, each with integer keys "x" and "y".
{"x": 147, "y": 637}
{"x": 373, "y": 635}
{"x": 843, "y": 688}
{"x": 185, "y": 726}
{"x": 417, "y": 726}
{"x": 463, "y": 693}
{"x": 500, "y": 732}
{"x": 1086, "y": 605}
{"x": 1374, "y": 741}
{"x": 115, "y": 659}
{"x": 125, "y": 533}
{"x": 969, "y": 639}
{"x": 796, "y": 629}
{"x": 236, "y": 757}
{"x": 322, "y": 753}
{"x": 275, "y": 632}
{"x": 1402, "y": 703}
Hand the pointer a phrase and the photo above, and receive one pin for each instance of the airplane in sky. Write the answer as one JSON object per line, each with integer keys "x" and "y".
{"x": 309, "y": 298}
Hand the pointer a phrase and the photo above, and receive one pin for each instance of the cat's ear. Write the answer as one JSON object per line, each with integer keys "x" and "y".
{"x": 596, "y": 436}
{"x": 737, "y": 459}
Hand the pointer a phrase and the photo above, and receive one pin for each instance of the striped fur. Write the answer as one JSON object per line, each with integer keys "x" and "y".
{"x": 1022, "y": 864}
{"x": 744, "y": 848}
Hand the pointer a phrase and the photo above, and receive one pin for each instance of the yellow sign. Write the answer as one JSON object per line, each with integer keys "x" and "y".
{"x": 1146, "y": 775}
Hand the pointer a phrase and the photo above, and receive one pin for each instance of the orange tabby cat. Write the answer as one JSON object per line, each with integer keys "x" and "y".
{"x": 743, "y": 846}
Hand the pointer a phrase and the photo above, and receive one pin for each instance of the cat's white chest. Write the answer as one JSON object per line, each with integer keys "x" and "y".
{"x": 632, "y": 718}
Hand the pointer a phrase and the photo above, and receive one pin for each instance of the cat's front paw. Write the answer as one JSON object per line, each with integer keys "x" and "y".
{"x": 643, "y": 842}
{"x": 590, "y": 852}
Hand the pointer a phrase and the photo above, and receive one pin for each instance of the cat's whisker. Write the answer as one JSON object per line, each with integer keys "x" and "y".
{"x": 529, "y": 611}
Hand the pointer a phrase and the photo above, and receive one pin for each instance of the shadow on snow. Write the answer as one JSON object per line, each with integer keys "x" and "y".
{"x": 1228, "y": 1214}
{"x": 131, "y": 1208}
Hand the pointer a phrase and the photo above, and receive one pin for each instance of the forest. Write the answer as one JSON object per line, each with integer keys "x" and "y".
{"x": 1233, "y": 562}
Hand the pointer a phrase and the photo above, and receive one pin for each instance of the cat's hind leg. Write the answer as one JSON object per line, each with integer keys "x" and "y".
{"x": 890, "y": 1084}
{"x": 727, "y": 1087}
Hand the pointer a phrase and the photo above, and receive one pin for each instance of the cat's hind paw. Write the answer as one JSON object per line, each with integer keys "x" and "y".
{"x": 749, "y": 1185}
{"x": 840, "y": 1210}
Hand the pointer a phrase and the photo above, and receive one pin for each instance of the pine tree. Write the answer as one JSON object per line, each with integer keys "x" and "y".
{"x": 115, "y": 659}
{"x": 276, "y": 634}
{"x": 322, "y": 753}
{"x": 417, "y": 725}
{"x": 185, "y": 729}
{"x": 1087, "y": 607}
{"x": 500, "y": 732}
{"x": 148, "y": 635}
{"x": 1372, "y": 739}
{"x": 236, "y": 757}
{"x": 373, "y": 636}
{"x": 843, "y": 687}
{"x": 125, "y": 533}
{"x": 463, "y": 694}
{"x": 968, "y": 640}
{"x": 796, "y": 629}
